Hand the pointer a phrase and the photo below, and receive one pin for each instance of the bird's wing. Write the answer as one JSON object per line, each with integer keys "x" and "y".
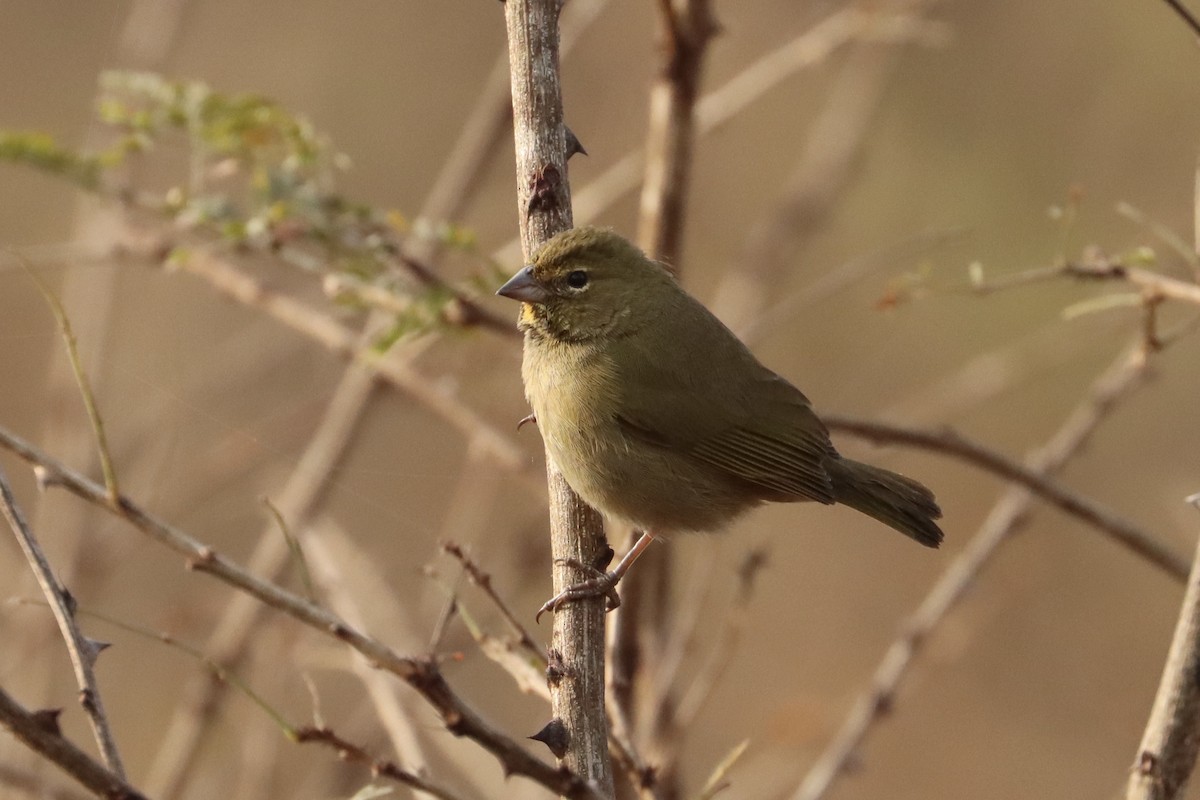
{"x": 705, "y": 395}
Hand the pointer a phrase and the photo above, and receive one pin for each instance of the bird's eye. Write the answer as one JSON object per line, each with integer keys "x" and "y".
{"x": 577, "y": 279}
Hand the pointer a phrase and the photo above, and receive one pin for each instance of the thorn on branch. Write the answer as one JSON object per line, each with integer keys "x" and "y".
{"x": 573, "y": 144}
{"x": 555, "y": 736}
{"x": 47, "y": 720}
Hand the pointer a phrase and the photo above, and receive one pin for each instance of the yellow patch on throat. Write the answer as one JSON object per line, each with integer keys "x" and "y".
{"x": 528, "y": 316}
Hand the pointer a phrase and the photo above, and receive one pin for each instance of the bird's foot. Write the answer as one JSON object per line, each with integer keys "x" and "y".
{"x": 601, "y": 584}
{"x": 531, "y": 418}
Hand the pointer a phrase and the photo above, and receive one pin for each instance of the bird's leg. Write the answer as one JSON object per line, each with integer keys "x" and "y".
{"x": 604, "y": 583}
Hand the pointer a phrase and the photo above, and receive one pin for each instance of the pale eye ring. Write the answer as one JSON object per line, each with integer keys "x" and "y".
{"x": 577, "y": 279}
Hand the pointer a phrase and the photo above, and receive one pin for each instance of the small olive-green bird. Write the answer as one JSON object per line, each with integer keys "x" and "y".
{"x": 658, "y": 415}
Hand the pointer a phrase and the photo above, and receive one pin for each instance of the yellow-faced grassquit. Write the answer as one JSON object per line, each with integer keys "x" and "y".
{"x": 658, "y": 415}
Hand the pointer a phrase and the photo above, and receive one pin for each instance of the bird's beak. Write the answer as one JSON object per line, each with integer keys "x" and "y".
{"x": 524, "y": 287}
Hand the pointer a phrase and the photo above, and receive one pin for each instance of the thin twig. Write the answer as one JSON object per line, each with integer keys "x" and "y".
{"x": 1126, "y": 373}
{"x": 1097, "y": 266}
{"x": 1188, "y": 17}
{"x": 952, "y": 443}
{"x": 38, "y": 730}
{"x": 357, "y": 754}
{"x": 422, "y": 674}
{"x": 81, "y": 379}
{"x": 483, "y": 580}
{"x": 1167, "y": 753}
{"x": 82, "y": 650}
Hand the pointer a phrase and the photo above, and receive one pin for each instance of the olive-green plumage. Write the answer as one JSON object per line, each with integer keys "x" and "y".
{"x": 658, "y": 415}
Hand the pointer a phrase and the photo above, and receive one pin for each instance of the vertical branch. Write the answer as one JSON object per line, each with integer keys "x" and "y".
{"x": 576, "y": 673}
{"x": 1167, "y": 754}
{"x": 685, "y": 28}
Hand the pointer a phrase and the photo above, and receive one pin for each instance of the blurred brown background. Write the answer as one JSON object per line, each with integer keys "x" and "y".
{"x": 1037, "y": 686}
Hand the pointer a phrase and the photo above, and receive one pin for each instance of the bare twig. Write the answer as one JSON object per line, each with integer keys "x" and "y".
{"x": 1187, "y": 16}
{"x": 1126, "y": 373}
{"x": 954, "y": 444}
{"x": 382, "y": 767}
{"x": 1167, "y": 753}
{"x": 422, "y": 674}
{"x": 1097, "y": 266}
{"x": 685, "y": 29}
{"x": 81, "y": 380}
{"x": 576, "y": 530}
{"x": 82, "y": 650}
{"x": 38, "y": 730}
{"x": 483, "y": 580}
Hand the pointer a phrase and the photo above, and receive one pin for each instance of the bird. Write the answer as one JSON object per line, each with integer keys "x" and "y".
{"x": 658, "y": 416}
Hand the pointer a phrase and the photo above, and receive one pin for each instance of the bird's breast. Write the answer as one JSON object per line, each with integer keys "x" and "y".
{"x": 574, "y": 391}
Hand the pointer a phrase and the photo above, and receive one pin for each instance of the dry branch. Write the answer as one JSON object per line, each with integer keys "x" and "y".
{"x": 82, "y": 650}
{"x": 38, "y": 730}
{"x": 576, "y": 530}
{"x": 954, "y": 444}
{"x": 1167, "y": 753}
{"x": 1126, "y": 373}
{"x": 1099, "y": 267}
{"x": 422, "y": 674}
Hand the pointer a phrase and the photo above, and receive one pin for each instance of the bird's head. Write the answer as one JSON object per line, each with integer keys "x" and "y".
{"x": 588, "y": 283}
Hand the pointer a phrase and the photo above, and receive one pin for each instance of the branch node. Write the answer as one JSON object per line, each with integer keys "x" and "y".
{"x": 543, "y": 190}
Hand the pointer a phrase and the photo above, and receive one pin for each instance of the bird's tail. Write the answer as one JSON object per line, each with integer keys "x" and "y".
{"x": 893, "y": 499}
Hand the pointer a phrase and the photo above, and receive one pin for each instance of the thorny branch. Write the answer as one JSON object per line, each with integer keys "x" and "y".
{"x": 38, "y": 730}
{"x": 576, "y": 530}
{"x": 420, "y": 673}
{"x": 82, "y": 650}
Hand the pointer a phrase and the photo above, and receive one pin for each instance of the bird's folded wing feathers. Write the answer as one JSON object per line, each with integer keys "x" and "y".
{"x": 726, "y": 426}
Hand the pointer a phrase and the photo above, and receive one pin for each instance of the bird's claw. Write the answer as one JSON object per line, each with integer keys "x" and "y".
{"x": 531, "y": 418}
{"x": 601, "y": 584}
